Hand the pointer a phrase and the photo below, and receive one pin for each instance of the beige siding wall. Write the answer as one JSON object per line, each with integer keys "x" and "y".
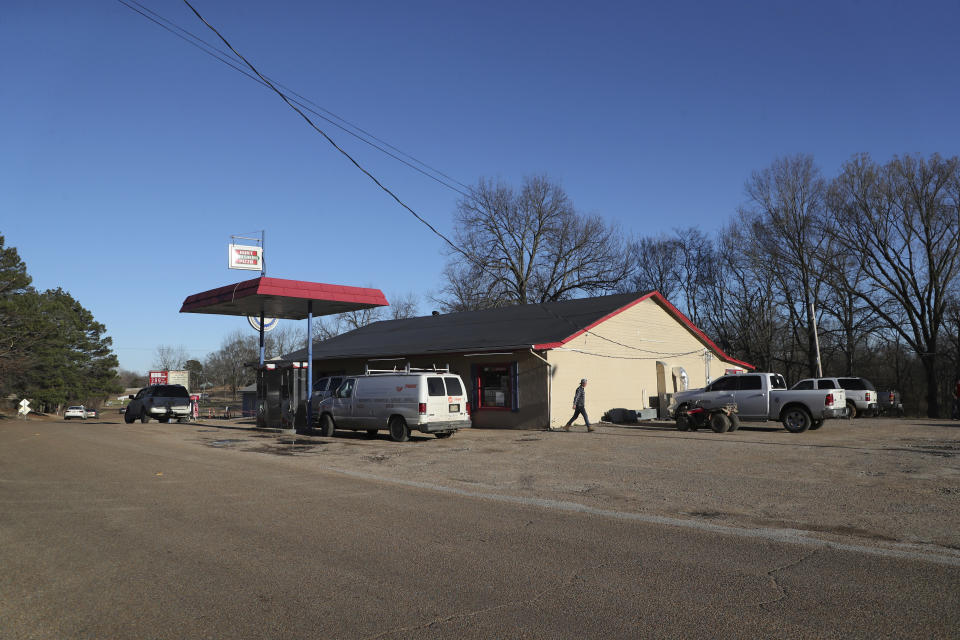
{"x": 621, "y": 376}
{"x": 532, "y": 381}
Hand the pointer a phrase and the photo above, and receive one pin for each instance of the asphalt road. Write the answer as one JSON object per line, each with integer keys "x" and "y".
{"x": 110, "y": 530}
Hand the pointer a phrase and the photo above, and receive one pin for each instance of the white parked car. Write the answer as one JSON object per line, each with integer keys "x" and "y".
{"x": 861, "y": 394}
{"x": 426, "y": 400}
{"x": 75, "y": 412}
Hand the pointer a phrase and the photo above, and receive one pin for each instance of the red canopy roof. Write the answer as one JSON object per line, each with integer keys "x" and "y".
{"x": 279, "y": 298}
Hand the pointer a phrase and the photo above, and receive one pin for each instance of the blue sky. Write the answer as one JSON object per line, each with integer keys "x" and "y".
{"x": 129, "y": 157}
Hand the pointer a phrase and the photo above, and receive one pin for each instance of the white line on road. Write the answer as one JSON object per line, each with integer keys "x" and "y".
{"x": 791, "y": 536}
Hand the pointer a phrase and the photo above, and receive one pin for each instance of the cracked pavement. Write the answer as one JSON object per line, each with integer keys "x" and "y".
{"x": 214, "y": 531}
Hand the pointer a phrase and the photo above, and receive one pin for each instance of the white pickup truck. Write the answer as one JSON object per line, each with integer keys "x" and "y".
{"x": 764, "y": 396}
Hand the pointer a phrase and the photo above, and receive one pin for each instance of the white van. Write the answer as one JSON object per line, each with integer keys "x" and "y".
{"x": 427, "y": 400}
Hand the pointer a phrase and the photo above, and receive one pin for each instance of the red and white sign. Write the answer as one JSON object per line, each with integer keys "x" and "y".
{"x": 158, "y": 377}
{"x": 246, "y": 257}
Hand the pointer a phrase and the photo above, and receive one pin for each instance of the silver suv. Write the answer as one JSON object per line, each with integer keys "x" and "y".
{"x": 160, "y": 401}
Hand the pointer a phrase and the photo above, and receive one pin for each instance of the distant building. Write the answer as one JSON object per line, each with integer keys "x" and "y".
{"x": 248, "y": 400}
{"x": 522, "y": 364}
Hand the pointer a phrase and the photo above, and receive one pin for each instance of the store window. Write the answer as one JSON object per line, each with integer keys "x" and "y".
{"x": 496, "y": 386}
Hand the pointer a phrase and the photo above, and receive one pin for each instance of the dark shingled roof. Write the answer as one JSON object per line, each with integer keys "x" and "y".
{"x": 504, "y": 329}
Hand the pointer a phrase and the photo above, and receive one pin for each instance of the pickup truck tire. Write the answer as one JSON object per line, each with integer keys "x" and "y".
{"x": 164, "y": 419}
{"x": 444, "y": 434}
{"x": 719, "y": 422}
{"x": 796, "y": 419}
{"x": 128, "y": 417}
{"x": 399, "y": 431}
{"x": 144, "y": 416}
{"x": 851, "y": 409}
{"x": 326, "y": 426}
{"x": 816, "y": 425}
{"x": 734, "y": 423}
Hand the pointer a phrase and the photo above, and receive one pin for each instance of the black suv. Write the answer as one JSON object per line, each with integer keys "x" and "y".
{"x": 160, "y": 401}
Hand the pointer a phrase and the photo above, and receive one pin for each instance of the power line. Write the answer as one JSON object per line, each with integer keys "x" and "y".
{"x": 295, "y": 105}
{"x": 613, "y": 357}
{"x": 301, "y": 101}
{"x": 327, "y": 137}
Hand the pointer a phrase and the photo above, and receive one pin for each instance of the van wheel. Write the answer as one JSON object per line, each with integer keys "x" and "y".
{"x": 796, "y": 420}
{"x": 851, "y": 410}
{"x": 719, "y": 422}
{"x": 734, "y": 423}
{"x": 144, "y": 416}
{"x": 399, "y": 431}
{"x": 444, "y": 434}
{"x": 816, "y": 424}
{"x": 372, "y": 433}
{"x": 326, "y": 426}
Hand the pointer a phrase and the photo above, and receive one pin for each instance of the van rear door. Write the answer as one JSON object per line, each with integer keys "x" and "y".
{"x": 436, "y": 398}
{"x": 456, "y": 398}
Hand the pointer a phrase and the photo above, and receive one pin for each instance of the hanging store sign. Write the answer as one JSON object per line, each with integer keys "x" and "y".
{"x": 248, "y": 257}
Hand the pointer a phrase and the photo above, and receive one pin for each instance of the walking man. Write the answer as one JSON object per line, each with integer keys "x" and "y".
{"x": 579, "y": 399}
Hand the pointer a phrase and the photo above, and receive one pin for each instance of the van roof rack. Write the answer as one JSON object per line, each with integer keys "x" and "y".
{"x": 407, "y": 369}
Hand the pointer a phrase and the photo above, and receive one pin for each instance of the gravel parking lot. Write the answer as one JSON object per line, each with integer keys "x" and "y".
{"x": 878, "y": 481}
{"x": 216, "y": 529}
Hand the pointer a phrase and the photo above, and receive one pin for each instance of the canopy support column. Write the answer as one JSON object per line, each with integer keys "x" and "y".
{"x": 309, "y": 364}
{"x": 262, "y": 349}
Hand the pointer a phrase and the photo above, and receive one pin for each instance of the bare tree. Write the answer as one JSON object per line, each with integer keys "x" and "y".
{"x": 284, "y": 339}
{"x": 655, "y": 266}
{"x": 900, "y": 222}
{"x": 227, "y": 365}
{"x": 168, "y": 357}
{"x": 846, "y": 317}
{"x": 740, "y": 309}
{"x": 528, "y": 246}
{"x": 128, "y": 379}
{"x": 786, "y": 203}
{"x": 401, "y": 306}
{"x": 697, "y": 273}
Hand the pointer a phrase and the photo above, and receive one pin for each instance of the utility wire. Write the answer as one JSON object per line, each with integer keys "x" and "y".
{"x": 225, "y": 58}
{"x": 328, "y": 138}
{"x": 301, "y": 101}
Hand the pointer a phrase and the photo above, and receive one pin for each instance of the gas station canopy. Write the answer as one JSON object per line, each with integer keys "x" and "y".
{"x": 286, "y": 299}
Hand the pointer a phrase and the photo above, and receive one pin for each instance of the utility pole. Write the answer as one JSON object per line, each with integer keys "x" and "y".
{"x": 816, "y": 339}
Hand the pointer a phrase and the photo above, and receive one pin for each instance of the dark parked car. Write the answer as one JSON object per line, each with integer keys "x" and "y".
{"x": 160, "y": 401}
{"x": 888, "y": 403}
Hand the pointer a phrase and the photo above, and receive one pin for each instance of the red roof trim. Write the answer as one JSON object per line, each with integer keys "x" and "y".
{"x": 658, "y": 297}
{"x": 284, "y": 289}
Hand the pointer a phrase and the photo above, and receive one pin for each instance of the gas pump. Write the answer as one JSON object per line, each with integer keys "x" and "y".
{"x": 282, "y": 395}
